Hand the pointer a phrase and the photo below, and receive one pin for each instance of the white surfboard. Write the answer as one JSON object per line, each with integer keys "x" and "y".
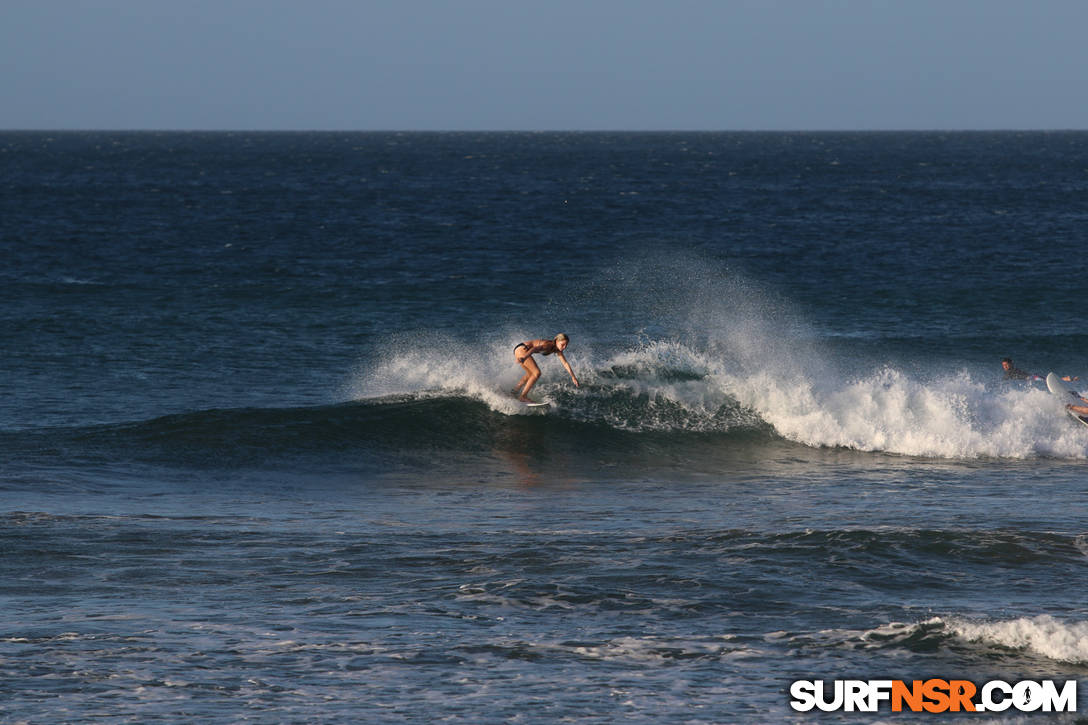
{"x": 1057, "y": 386}
{"x": 531, "y": 403}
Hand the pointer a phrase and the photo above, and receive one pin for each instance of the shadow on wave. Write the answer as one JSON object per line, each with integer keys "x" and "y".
{"x": 400, "y": 431}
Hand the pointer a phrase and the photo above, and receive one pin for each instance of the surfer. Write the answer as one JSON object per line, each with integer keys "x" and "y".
{"x": 524, "y": 352}
{"x": 1014, "y": 373}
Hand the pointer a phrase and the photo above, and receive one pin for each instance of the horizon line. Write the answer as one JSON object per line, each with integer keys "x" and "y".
{"x": 1055, "y": 129}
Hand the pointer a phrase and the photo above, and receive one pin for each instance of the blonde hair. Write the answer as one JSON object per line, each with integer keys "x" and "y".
{"x": 561, "y": 336}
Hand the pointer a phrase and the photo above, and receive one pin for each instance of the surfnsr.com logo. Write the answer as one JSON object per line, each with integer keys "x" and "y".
{"x": 933, "y": 695}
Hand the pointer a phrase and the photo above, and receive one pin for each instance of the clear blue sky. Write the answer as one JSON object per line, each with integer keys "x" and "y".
{"x": 547, "y": 64}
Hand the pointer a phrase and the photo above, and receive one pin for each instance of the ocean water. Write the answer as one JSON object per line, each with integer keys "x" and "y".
{"x": 259, "y": 461}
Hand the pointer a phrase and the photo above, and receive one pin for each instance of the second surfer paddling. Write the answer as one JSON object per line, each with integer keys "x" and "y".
{"x": 524, "y": 352}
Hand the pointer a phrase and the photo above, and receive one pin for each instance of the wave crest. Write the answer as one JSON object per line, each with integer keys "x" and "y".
{"x": 674, "y": 386}
{"x": 1042, "y": 635}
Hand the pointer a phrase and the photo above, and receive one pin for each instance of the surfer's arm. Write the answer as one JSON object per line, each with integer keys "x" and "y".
{"x": 1078, "y": 409}
{"x": 567, "y": 366}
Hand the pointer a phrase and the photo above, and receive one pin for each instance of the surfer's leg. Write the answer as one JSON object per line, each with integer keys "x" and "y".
{"x": 521, "y": 384}
{"x": 532, "y": 374}
{"x": 521, "y": 357}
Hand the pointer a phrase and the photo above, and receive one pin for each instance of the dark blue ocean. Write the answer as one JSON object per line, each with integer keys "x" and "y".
{"x": 259, "y": 460}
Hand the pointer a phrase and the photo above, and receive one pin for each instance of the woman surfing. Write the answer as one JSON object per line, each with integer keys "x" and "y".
{"x": 524, "y": 352}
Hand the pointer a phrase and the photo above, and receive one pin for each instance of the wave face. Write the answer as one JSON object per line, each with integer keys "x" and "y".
{"x": 669, "y": 386}
{"x": 663, "y": 395}
{"x": 687, "y": 345}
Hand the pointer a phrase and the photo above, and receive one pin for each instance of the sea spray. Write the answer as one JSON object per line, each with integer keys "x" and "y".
{"x": 666, "y": 385}
{"x": 698, "y": 347}
{"x": 435, "y": 364}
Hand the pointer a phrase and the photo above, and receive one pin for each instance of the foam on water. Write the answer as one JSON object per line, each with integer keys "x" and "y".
{"x": 1043, "y": 635}
{"x": 890, "y": 411}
